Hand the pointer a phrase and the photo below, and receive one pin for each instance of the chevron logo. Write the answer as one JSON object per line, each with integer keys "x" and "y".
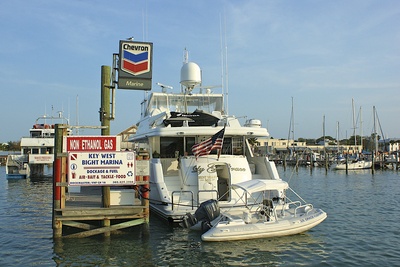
{"x": 135, "y": 59}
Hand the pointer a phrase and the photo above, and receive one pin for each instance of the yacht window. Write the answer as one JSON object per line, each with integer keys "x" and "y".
{"x": 185, "y": 103}
{"x": 190, "y": 141}
{"x": 36, "y": 133}
{"x": 171, "y": 146}
{"x": 227, "y": 146}
{"x": 237, "y": 146}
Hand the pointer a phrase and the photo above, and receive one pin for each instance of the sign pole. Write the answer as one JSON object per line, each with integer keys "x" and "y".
{"x": 105, "y": 121}
{"x": 105, "y": 99}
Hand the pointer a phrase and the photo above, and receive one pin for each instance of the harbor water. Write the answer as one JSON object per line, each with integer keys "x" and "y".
{"x": 362, "y": 229}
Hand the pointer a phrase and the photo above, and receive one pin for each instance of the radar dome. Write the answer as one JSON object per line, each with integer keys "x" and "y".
{"x": 190, "y": 74}
{"x": 253, "y": 123}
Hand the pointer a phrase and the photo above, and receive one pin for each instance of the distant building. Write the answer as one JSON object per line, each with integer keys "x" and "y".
{"x": 269, "y": 146}
{"x": 125, "y": 135}
{"x": 389, "y": 145}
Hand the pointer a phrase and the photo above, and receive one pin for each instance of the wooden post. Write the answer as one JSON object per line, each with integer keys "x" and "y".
{"x": 105, "y": 121}
{"x": 326, "y": 162}
{"x": 373, "y": 163}
{"x": 284, "y": 161}
{"x": 58, "y": 173}
{"x": 146, "y": 189}
{"x": 57, "y": 225}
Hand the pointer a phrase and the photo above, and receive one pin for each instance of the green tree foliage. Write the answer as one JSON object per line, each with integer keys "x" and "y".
{"x": 253, "y": 142}
{"x": 12, "y": 146}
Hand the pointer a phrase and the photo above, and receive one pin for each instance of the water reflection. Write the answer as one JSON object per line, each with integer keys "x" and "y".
{"x": 181, "y": 247}
{"x": 361, "y": 230}
{"x": 161, "y": 245}
{"x": 122, "y": 250}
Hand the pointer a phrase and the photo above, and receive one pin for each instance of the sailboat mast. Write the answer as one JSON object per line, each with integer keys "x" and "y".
{"x": 375, "y": 134}
{"x": 354, "y": 123}
{"x": 323, "y": 129}
{"x": 323, "y": 132}
{"x": 291, "y": 125}
{"x": 337, "y": 138}
{"x": 361, "y": 131}
{"x": 292, "y": 120}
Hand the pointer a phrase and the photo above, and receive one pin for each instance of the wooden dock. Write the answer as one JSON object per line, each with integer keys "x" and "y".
{"x": 83, "y": 211}
{"x": 3, "y": 159}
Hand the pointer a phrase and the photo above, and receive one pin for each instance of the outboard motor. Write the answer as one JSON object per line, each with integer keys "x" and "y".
{"x": 208, "y": 211}
{"x": 188, "y": 220}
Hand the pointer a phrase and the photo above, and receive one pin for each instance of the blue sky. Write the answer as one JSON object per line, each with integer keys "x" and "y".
{"x": 322, "y": 54}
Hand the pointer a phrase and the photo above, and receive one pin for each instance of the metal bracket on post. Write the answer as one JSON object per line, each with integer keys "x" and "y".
{"x": 102, "y": 114}
{"x": 114, "y": 84}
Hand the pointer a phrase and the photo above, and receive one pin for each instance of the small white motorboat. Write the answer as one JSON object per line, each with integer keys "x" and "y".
{"x": 17, "y": 167}
{"x": 266, "y": 211}
{"x": 355, "y": 164}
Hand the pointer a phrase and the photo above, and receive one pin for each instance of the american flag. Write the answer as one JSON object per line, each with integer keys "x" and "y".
{"x": 205, "y": 147}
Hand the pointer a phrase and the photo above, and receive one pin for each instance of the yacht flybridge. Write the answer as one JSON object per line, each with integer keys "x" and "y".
{"x": 171, "y": 124}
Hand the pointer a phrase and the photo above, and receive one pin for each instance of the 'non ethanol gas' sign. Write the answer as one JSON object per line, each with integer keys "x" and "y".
{"x": 91, "y": 143}
{"x": 101, "y": 168}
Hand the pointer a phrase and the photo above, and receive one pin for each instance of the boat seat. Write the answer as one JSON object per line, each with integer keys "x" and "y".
{"x": 234, "y": 217}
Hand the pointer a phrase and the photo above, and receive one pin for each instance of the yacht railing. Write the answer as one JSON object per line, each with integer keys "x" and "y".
{"x": 206, "y": 191}
{"x": 180, "y": 192}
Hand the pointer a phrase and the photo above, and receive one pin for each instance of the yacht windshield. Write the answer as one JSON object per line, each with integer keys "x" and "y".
{"x": 185, "y": 103}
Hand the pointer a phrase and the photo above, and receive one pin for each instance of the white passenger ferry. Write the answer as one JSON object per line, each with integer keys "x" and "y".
{"x": 37, "y": 150}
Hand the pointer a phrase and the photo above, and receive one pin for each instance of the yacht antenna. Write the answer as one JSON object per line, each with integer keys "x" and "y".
{"x": 226, "y": 79}
{"x": 164, "y": 87}
{"x": 185, "y": 56}
{"x": 185, "y": 60}
{"x": 224, "y": 65}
